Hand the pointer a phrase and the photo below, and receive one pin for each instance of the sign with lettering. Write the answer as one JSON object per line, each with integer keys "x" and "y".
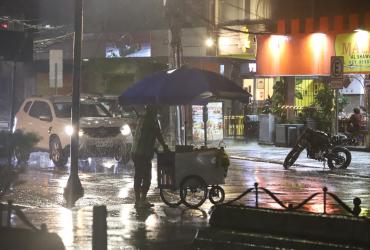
{"x": 355, "y": 49}
{"x": 336, "y": 72}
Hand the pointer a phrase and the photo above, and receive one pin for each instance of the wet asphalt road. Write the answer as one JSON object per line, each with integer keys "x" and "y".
{"x": 40, "y": 190}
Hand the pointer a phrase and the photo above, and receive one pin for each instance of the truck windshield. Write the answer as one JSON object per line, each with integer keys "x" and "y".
{"x": 63, "y": 110}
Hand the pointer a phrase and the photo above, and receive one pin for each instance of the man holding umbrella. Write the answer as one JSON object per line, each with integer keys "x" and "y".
{"x": 147, "y": 132}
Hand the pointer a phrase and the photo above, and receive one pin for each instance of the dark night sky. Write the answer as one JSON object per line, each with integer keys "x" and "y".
{"x": 129, "y": 15}
{"x": 99, "y": 15}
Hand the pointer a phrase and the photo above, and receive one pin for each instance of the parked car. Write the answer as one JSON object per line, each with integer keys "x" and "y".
{"x": 100, "y": 134}
{"x": 129, "y": 114}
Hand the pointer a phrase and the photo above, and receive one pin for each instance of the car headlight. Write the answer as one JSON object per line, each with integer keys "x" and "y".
{"x": 69, "y": 130}
{"x": 125, "y": 129}
{"x": 80, "y": 133}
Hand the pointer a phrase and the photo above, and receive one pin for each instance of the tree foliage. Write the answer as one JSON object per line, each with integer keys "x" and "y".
{"x": 278, "y": 101}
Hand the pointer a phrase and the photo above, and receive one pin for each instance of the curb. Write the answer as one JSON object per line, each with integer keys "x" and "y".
{"x": 255, "y": 159}
{"x": 261, "y": 228}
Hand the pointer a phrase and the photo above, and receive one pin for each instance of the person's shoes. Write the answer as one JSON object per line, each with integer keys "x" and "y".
{"x": 146, "y": 203}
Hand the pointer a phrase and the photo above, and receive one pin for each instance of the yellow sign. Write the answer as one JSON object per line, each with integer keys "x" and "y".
{"x": 355, "y": 48}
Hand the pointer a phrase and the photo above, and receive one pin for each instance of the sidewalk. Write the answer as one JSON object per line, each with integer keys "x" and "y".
{"x": 271, "y": 154}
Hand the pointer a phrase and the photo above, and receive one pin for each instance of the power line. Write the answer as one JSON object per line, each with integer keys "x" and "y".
{"x": 25, "y": 24}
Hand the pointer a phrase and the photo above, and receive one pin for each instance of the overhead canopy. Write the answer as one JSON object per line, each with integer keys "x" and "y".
{"x": 183, "y": 86}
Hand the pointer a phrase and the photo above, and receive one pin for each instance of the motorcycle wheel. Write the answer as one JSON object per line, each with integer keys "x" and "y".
{"x": 342, "y": 159}
{"x": 292, "y": 156}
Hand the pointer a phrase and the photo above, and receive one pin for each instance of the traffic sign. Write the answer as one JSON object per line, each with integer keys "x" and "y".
{"x": 336, "y": 72}
{"x": 56, "y": 68}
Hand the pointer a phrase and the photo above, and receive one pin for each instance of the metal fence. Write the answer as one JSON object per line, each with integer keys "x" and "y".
{"x": 256, "y": 190}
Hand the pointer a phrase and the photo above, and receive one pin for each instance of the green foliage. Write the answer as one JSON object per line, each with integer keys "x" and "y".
{"x": 324, "y": 103}
{"x": 321, "y": 109}
{"x": 298, "y": 95}
{"x": 24, "y": 141}
{"x": 307, "y": 113}
{"x": 342, "y": 101}
{"x": 298, "y": 92}
{"x": 278, "y": 101}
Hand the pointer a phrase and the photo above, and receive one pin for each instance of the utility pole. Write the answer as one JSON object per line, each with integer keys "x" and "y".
{"x": 173, "y": 12}
{"x": 73, "y": 191}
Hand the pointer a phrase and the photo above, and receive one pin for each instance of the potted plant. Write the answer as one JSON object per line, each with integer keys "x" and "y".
{"x": 18, "y": 143}
{"x": 273, "y": 112}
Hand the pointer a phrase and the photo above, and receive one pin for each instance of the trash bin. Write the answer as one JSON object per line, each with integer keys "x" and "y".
{"x": 281, "y": 135}
{"x": 292, "y": 136}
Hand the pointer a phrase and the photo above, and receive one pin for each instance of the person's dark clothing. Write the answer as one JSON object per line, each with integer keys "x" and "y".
{"x": 355, "y": 123}
{"x": 143, "y": 173}
{"x": 247, "y": 126}
{"x": 147, "y": 132}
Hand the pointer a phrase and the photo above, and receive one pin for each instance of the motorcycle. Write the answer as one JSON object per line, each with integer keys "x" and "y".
{"x": 321, "y": 146}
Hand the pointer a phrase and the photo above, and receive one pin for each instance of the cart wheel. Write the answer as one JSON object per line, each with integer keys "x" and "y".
{"x": 216, "y": 194}
{"x": 171, "y": 197}
{"x": 193, "y": 191}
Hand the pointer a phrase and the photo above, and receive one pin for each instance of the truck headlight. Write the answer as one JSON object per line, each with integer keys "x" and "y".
{"x": 125, "y": 129}
{"x": 69, "y": 130}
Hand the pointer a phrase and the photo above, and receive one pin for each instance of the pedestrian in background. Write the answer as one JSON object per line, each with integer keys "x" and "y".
{"x": 355, "y": 121}
{"x": 147, "y": 132}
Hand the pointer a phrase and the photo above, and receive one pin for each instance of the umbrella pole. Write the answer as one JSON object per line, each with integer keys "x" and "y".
{"x": 205, "y": 119}
{"x": 185, "y": 126}
{"x": 179, "y": 124}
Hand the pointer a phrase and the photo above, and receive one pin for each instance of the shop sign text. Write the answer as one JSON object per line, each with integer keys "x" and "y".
{"x": 355, "y": 48}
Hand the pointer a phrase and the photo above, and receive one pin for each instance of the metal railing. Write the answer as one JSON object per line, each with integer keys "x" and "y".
{"x": 356, "y": 201}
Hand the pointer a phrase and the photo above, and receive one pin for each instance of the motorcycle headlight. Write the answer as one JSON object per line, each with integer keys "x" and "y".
{"x": 69, "y": 130}
{"x": 125, "y": 129}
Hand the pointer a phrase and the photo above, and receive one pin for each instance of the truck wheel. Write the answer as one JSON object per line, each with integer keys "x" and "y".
{"x": 57, "y": 155}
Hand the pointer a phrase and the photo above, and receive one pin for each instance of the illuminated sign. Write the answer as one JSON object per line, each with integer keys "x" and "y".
{"x": 214, "y": 124}
{"x": 355, "y": 48}
{"x": 236, "y": 44}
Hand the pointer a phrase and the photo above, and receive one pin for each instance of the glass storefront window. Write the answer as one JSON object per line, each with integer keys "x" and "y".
{"x": 305, "y": 91}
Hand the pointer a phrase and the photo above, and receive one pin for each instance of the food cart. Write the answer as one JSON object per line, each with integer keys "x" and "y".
{"x": 191, "y": 175}
{"x": 185, "y": 175}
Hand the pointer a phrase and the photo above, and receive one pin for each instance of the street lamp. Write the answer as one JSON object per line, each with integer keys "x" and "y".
{"x": 209, "y": 42}
{"x": 73, "y": 191}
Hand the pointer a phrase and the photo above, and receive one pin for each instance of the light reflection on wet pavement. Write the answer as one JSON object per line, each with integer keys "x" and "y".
{"x": 40, "y": 190}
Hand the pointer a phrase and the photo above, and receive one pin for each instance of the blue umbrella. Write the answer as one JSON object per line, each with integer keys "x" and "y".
{"x": 183, "y": 86}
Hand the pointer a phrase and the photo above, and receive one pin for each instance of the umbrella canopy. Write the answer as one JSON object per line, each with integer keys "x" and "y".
{"x": 183, "y": 86}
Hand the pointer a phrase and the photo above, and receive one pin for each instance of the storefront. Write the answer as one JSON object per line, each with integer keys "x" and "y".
{"x": 302, "y": 59}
